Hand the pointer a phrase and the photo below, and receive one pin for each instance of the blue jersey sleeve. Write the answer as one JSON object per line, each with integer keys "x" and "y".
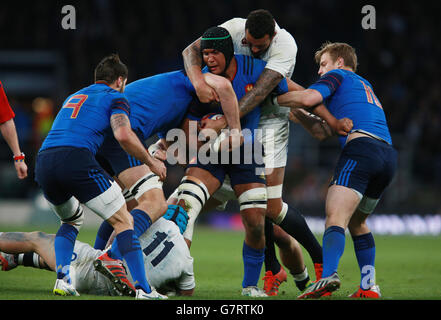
{"x": 328, "y": 84}
{"x": 120, "y": 104}
{"x": 281, "y": 88}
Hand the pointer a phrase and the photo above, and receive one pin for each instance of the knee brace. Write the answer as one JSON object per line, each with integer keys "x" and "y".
{"x": 146, "y": 183}
{"x": 282, "y": 214}
{"x": 70, "y": 212}
{"x": 253, "y": 198}
{"x": 194, "y": 195}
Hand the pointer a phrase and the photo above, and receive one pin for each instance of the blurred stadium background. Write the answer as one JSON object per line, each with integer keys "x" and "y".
{"x": 41, "y": 63}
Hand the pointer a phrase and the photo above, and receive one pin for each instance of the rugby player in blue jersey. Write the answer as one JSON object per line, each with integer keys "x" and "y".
{"x": 69, "y": 175}
{"x": 366, "y": 166}
{"x": 158, "y": 104}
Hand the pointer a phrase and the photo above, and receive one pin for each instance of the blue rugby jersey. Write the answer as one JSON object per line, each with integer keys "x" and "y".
{"x": 347, "y": 94}
{"x": 159, "y": 103}
{"x": 84, "y": 119}
{"x": 248, "y": 71}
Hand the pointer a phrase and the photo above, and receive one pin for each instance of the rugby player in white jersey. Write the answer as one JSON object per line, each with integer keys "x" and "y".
{"x": 260, "y": 36}
{"x": 167, "y": 259}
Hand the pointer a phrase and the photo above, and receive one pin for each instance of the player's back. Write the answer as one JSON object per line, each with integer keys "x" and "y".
{"x": 355, "y": 99}
{"x": 159, "y": 102}
{"x": 166, "y": 255}
{"x": 84, "y": 119}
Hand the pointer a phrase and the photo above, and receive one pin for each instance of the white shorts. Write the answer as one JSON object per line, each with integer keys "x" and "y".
{"x": 107, "y": 203}
{"x": 274, "y": 137}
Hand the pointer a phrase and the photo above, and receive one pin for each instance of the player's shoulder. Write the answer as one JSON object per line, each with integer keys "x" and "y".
{"x": 234, "y": 24}
{"x": 283, "y": 42}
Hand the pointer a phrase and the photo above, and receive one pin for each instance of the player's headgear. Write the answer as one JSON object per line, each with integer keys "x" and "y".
{"x": 218, "y": 38}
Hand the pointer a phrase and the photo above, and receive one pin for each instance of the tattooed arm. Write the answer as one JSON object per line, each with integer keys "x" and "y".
{"x": 192, "y": 64}
{"x": 130, "y": 142}
{"x": 267, "y": 81}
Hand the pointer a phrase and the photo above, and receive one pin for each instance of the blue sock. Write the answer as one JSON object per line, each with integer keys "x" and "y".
{"x": 333, "y": 247}
{"x": 103, "y": 235}
{"x": 64, "y": 245}
{"x": 141, "y": 222}
{"x": 131, "y": 251}
{"x": 364, "y": 246}
{"x": 252, "y": 264}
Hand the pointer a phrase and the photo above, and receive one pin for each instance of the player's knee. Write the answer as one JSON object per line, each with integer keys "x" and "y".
{"x": 146, "y": 183}
{"x": 192, "y": 195}
{"x": 70, "y": 212}
{"x": 253, "y": 199}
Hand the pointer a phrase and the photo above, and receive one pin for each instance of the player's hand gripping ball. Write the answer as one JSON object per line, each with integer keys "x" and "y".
{"x": 178, "y": 215}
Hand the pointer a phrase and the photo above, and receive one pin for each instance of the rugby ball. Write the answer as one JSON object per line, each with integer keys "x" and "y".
{"x": 213, "y": 116}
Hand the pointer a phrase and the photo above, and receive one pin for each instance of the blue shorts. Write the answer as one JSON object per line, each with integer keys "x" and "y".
{"x": 249, "y": 169}
{"x": 64, "y": 172}
{"x": 116, "y": 160}
{"x": 366, "y": 165}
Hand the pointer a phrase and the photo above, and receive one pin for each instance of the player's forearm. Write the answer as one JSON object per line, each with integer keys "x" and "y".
{"x": 316, "y": 126}
{"x": 128, "y": 140}
{"x": 9, "y": 133}
{"x": 324, "y": 114}
{"x": 228, "y": 99}
{"x": 193, "y": 62}
{"x": 267, "y": 81}
{"x": 300, "y": 99}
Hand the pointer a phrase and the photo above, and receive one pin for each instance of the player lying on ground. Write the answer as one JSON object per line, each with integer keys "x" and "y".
{"x": 167, "y": 260}
{"x": 365, "y": 168}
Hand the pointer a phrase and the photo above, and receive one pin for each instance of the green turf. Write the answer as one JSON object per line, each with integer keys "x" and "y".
{"x": 408, "y": 267}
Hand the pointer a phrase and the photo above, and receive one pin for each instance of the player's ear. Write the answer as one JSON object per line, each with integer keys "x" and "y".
{"x": 340, "y": 62}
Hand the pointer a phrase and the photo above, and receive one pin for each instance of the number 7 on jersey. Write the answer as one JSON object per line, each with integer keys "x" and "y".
{"x": 75, "y": 103}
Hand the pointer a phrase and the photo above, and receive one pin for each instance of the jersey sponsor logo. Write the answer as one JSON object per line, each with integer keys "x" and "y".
{"x": 75, "y": 103}
{"x": 249, "y": 87}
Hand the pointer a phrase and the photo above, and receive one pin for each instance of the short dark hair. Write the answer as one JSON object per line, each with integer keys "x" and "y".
{"x": 110, "y": 69}
{"x": 259, "y": 23}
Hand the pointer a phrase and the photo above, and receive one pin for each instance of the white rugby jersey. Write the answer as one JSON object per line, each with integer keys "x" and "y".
{"x": 166, "y": 258}
{"x": 280, "y": 56}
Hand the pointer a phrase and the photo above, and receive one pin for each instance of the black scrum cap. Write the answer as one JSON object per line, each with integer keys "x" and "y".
{"x": 218, "y": 38}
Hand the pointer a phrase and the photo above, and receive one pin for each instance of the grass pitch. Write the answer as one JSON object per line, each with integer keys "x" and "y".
{"x": 408, "y": 268}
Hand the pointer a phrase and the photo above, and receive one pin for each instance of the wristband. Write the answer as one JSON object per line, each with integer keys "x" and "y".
{"x": 19, "y": 158}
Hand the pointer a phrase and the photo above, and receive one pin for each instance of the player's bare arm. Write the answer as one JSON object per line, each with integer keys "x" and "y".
{"x": 192, "y": 64}
{"x": 315, "y": 125}
{"x": 321, "y": 130}
{"x": 130, "y": 142}
{"x": 227, "y": 97}
{"x": 267, "y": 81}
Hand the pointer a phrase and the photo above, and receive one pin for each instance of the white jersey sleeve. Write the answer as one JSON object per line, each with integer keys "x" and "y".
{"x": 166, "y": 256}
